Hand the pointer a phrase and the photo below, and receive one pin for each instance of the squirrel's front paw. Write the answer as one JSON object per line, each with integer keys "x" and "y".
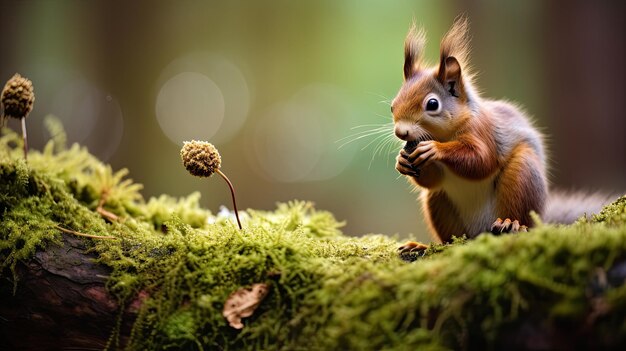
{"x": 507, "y": 226}
{"x": 425, "y": 152}
{"x": 404, "y": 166}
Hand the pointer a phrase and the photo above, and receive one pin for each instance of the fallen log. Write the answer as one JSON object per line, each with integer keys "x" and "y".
{"x": 61, "y": 302}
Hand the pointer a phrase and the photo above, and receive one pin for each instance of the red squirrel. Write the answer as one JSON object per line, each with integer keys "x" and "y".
{"x": 480, "y": 163}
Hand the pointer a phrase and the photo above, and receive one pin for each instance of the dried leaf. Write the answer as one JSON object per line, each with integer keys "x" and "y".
{"x": 242, "y": 303}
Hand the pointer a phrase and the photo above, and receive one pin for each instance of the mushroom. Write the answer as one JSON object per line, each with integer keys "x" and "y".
{"x": 17, "y": 102}
{"x": 202, "y": 159}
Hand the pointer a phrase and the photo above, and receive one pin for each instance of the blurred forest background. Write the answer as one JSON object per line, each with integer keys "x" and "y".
{"x": 275, "y": 84}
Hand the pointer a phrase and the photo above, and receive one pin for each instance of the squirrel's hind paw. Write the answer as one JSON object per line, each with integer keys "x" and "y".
{"x": 412, "y": 250}
{"x": 507, "y": 226}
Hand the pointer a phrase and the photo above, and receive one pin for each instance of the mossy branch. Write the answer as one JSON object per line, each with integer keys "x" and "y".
{"x": 175, "y": 264}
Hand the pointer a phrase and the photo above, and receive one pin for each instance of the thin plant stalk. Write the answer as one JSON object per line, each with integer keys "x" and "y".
{"x": 25, "y": 137}
{"x": 232, "y": 193}
{"x": 69, "y": 231}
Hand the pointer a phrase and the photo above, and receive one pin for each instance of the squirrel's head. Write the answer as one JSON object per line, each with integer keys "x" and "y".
{"x": 434, "y": 102}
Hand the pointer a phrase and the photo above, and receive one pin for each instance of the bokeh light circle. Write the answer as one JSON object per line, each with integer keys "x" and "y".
{"x": 296, "y": 141}
{"x": 288, "y": 142}
{"x": 189, "y": 106}
{"x": 77, "y": 105}
{"x": 90, "y": 115}
{"x": 230, "y": 80}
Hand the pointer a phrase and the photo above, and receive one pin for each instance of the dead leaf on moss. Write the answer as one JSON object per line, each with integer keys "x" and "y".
{"x": 242, "y": 303}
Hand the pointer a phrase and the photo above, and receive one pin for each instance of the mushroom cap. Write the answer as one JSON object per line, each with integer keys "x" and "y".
{"x": 17, "y": 97}
{"x": 200, "y": 158}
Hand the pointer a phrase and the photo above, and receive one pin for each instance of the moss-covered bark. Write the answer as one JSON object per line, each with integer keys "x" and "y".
{"x": 552, "y": 288}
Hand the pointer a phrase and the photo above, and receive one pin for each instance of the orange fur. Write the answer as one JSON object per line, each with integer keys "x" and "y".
{"x": 473, "y": 154}
{"x": 431, "y": 176}
{"x": 441, "y": 216}
{"x": 409, "y": 100}
{"x": 517, "y": 194}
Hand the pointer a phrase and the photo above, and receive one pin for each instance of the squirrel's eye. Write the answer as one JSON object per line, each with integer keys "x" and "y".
{"x": 432, "y": 104}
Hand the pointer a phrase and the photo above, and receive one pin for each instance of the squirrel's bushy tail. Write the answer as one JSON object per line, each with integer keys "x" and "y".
{"x": 566, "y": 207}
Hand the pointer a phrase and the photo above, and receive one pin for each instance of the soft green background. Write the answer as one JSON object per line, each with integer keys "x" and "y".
{"x": 274, "y": 84}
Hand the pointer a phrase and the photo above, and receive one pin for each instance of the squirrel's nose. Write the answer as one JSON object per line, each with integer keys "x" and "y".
{"x": 402, "y": 131}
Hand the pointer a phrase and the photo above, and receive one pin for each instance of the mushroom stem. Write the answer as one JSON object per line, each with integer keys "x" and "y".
{"x": 232, "y": 192}
{"x": 25, "y": 137}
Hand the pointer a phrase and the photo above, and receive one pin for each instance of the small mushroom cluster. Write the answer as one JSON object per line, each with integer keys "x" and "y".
{"x": 17, "y": 101}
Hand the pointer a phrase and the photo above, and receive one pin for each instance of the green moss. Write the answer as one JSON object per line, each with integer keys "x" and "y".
{"x": 613, "y": 214}
{"x": 327, "y": 291}
{"x": 160, "y": 210}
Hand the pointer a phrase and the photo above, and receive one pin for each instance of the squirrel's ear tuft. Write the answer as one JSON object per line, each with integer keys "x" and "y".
{"x": 413, "y": 50}
{"x": 454, "y": 51}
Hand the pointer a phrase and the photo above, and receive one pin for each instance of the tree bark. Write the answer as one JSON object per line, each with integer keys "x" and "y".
{"x": 61, "y": 302}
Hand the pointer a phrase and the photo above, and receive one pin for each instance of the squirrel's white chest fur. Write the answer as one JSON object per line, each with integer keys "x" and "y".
{"x": 475, "y": 201}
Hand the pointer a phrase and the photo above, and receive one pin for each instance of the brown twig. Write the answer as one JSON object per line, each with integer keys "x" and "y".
{"x": 104, "y": 213}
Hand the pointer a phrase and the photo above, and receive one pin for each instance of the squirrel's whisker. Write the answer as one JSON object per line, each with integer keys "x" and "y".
{"x": 373, "y": 141}
{"x": 380, "y": 125}
{"x": 364, "y": 132}
{"x": 359, "y": 137}
{"x": 379, "y": 129}
{"x": 386, "y": 99}
{"x": 387, "y": 140}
